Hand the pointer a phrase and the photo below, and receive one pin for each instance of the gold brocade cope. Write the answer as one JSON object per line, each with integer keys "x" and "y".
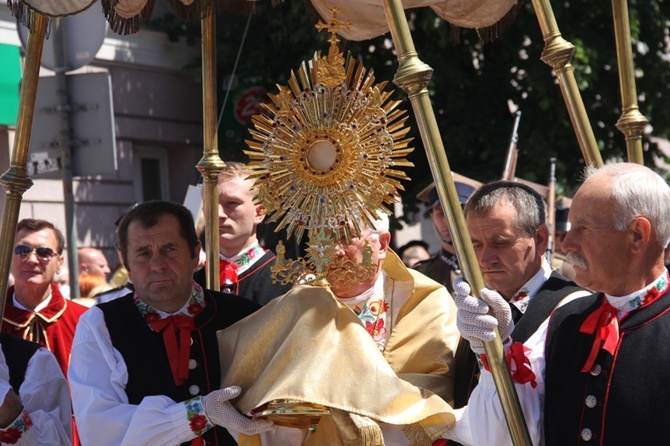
{"x": 307, "y": 346}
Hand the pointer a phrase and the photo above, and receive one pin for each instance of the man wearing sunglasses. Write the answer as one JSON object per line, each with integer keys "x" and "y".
{"x": 35, "y": 308}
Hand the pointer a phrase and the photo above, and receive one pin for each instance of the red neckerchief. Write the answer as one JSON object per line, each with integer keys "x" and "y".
{"x": 227, "y": 272}
{"x": 178, "y": 353}
{"x": 603, "y": 323}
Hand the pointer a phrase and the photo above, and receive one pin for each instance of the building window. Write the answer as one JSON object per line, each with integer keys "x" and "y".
{"x": 151, "y": 174}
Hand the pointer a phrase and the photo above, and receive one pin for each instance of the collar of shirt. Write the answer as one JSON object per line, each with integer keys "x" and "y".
{"x": 377, "y": 288}
{"x": 522, "y": 298}
{"x": 245, "y": 258}
{"x": 630, "y": 302}
{"x": 193, "y": 306}
{"x": 372, "y": 307}
{"x": 41, "y": 306}
{"x": 450, "y": 259}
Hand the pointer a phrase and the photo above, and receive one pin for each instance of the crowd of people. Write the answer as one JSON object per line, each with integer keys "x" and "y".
{"x": 397, "y": 357}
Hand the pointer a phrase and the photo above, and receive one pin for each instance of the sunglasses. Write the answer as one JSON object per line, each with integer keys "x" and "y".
{"x": 43, "y": 252}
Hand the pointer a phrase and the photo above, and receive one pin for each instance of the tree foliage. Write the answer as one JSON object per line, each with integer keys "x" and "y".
{"x": 474, "y": 83}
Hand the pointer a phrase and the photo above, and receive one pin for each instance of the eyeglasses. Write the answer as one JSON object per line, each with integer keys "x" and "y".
{"x": 43, "y": 252}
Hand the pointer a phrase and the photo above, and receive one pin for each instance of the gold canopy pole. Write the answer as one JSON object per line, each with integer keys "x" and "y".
{"x": 413, "y": 76}
{"x": 210, "y": 165}
{"x": 632, "y": 122}
{"x": 557, "y": 53}
{"x": 16, "y": 180}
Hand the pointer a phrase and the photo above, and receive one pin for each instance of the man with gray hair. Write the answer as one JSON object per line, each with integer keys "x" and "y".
{"x": 598, "y": 363}
{"x": 507, "y": 222}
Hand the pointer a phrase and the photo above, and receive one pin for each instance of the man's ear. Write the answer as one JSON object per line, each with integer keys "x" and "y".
{"x": 542, "y": 238}
{"x": 260, "y": 213}
{"x": 196, "y": 257}
{"x": 641, "y": 232}
{"x": 61, "y": 259}
{"x": 384, "y": 242}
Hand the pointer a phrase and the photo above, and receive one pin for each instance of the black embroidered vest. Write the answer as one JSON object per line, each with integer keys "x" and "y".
{"x": 17, "y": 355}
{"x": 623, "y": 400}
{"x": 146, "y": 359}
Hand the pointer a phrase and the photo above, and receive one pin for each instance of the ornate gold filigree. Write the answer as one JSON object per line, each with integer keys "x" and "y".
{"x": 325, "y": 152}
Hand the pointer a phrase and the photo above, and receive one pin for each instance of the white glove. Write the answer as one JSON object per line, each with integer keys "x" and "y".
{"x": 473, "y": 320}
{"x": 220, "y": 412}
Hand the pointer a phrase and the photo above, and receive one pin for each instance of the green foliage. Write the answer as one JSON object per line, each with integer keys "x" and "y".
{"x": 472, "y": 83}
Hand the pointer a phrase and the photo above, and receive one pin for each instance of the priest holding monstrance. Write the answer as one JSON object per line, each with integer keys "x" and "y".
{"x": 361, "y": 352}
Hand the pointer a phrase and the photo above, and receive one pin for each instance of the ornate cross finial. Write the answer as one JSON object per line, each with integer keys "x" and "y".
{"x": 333, "y": 26}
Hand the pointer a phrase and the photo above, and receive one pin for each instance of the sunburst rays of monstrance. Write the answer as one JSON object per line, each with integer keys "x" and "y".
{"x": 325, "y": 155}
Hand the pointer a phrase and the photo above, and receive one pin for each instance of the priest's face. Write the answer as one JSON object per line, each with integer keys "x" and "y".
{"x": 353, "y": 249}
{"x": 160, "y": 263}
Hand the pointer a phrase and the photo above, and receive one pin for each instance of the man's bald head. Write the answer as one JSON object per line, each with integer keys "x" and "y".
{"x": 93, "y": 261}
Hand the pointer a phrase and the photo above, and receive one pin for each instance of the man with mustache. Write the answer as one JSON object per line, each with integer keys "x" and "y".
{"x": 244, "y": 266}
{"x": 507, "y": 222}
{"x": 599, "y": 363}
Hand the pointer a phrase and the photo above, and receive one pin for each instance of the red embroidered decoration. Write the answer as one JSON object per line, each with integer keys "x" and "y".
{"x": 178, "y": 353}
{"x": 227, "y": 272}
{"x": 151, "y": 317}
{"x": 198, "y": 423}
{"x": 519, "y": 296}
{"x": 10, "y": 436}
{"x": 604, "y": 325}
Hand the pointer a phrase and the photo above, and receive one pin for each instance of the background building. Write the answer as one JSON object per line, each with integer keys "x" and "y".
{"x": 157, "y": 118}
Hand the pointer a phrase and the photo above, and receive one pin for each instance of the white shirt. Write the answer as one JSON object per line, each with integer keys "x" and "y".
{"x": 98, "y": 376}
{"x": 482, "y": 421}
{"x": 45, "y": 396}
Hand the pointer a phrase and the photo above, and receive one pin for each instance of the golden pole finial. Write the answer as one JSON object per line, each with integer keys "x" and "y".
{"x": 211, "y": 164}
{"x": 557, "y": 54}
{"x": 632, "y": 122}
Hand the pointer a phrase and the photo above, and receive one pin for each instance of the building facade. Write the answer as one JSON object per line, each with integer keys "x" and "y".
{"x": 157, "y": 119}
